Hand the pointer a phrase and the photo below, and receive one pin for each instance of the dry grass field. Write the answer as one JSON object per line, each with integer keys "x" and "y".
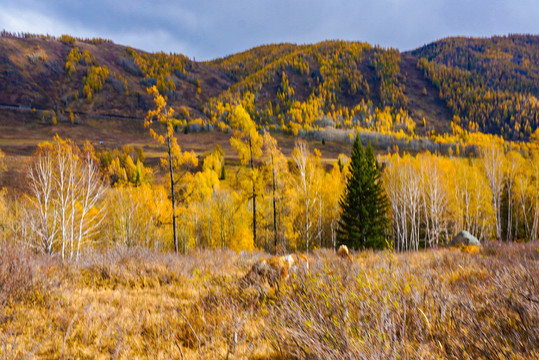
{"x": 137, "y": 304}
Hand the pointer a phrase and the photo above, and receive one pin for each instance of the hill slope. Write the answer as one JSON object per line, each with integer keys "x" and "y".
{"x": 489, "y": 85}
{"x": 98, "y": 77}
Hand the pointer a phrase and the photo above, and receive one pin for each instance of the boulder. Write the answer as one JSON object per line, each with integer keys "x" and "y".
{"x": 275, "y": 268}
{"x": 464, "y": 238}
{"x": 344, "y": 253}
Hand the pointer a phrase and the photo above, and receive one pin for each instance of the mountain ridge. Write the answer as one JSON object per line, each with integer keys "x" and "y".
{"x": 287, "y": 86}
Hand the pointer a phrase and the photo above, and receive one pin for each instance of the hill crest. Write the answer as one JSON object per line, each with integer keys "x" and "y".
{"x": 287, "y": 86}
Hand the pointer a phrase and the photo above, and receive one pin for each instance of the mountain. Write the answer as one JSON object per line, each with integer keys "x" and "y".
{"x": 488, "y": 85}
{"x": 98, "y": 77}
{"x": 343, "y": 83}
{"x": 491, "y": 85}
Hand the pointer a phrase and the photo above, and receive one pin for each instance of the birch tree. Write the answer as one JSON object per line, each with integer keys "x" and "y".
{"x": 434, "y": 199}
{"x": 65, "y": 198}
{"x": 43, "y": 222}
{"x": 136, "y": 214}
{"x": 307, "y": 186}
{"x": 513, "y": 164}
{"x": 494, "y": 164}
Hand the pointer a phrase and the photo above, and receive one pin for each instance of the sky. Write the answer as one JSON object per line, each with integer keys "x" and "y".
{"x": 209, "y": 29}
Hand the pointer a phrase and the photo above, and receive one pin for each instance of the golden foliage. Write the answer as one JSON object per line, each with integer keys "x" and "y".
{"x": 94, "y": 80}
{"x": 161, "y": 67}
{"x": 75, "y": 57}
{"x": 64, "y": 210}
{"x": 493, "y": 88}
{"x": 126, "y": 167}
{"x": 137, "y": 216}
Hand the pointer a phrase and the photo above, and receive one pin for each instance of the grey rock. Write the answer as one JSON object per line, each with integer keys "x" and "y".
{"x": 464, "y": 238}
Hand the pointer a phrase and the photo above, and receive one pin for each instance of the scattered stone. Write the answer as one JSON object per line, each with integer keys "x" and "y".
{"x": 464, "y": 238}
{"x": 275, "y": 268}
{"x": 344, "y": 253}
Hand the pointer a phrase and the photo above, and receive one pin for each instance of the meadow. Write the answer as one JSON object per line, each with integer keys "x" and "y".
{"x": 248, "y": 155}
{"x": 468, "y": 303}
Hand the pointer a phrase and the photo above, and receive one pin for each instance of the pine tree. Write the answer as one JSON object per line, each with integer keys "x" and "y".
{"x": 364, "y": 204}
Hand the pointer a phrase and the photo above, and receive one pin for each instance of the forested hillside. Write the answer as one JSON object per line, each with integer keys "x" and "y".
{"x": 490, "y": 85}
{"x": 487, "y": 85}
{"x": 96, "y": 76}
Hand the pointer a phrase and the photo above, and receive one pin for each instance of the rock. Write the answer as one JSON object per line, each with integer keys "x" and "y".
{"x": 344, "y": 253}
{"x": 275, "y": 268}
{"x": 464, "y": 238}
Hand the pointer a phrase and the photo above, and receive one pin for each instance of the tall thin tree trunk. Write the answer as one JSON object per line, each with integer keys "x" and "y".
{"x": 173, "y": 197}
{"x": 274, "y": 207}
{"x": 209, "y": 224}
{"x": 307, "y": 227}
{"x": 254, "y": 214}
{"x": 254, "y": 191}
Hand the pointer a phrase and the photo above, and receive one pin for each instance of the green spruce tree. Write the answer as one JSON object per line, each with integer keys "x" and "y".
{"x": 364, "y": 204}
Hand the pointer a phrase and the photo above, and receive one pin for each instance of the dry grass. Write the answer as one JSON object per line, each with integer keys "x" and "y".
{"x": 136, "y": 303}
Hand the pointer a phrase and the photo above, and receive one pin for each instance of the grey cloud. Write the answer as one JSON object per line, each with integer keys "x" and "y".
{"x": 214, "y": 28}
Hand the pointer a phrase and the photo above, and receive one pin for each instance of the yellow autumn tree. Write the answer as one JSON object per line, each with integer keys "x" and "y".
{"x": 526, "y": 197}
{"x": 204, "y": 186}
{"x": 215, "y": 216}
{"x": 306, "y": 185}
{"x": 248, "y": 143}
{"x": 333, "y": 187}
{"x": 276, "y": 165}
{"x": 175, "y": 157}
{"x": 136, "y": 216}
{"x": 64, "y": 209}
{"x": 494, "y": 163}
{"x": 471, "y": 199}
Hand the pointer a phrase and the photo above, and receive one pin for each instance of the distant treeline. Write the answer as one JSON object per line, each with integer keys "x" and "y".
{"x": 63, "y": 38}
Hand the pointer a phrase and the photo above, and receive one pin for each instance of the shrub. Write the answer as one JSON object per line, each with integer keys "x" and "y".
{"x": 37, "y": 56}
{"x": 444, "y": 304}
{"x": 20, "y": 280}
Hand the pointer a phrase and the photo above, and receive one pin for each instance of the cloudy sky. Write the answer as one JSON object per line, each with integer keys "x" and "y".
{"x": 207, "y": 29}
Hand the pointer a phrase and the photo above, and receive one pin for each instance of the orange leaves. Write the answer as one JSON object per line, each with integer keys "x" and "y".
{"x": 162, "y": 114}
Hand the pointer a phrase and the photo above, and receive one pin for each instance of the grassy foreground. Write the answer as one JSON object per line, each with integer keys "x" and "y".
{"x": 139, "y": 304}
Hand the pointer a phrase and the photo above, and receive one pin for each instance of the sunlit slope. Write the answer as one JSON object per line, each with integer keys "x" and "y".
{"x": 488, "y": 85}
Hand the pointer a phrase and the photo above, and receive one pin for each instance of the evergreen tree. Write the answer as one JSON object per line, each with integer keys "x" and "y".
{"x": 364, "y": 204}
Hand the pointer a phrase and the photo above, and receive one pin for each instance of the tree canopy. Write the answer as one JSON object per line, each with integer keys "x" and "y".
{"x": 364, "y": 204}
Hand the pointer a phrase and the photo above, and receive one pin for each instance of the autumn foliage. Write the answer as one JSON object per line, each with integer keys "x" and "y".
{"x": 86, "y": 262}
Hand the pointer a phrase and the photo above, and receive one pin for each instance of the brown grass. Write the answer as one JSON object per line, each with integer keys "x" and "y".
{"x": 137, "y": 303}
{"x": 21, "y": 279}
